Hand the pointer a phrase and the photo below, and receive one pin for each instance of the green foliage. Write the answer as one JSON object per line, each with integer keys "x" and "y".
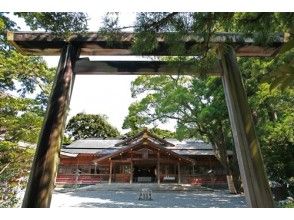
{"x": 263, "y": 27}
{"x": 273, "y": 116}
{"x": 275, "y": 126}
{"x": 90, "y": 126}
{"x": 198, "y": 106}
{"x": 35, "y": 74}
{"x": 25, "y": 84}
{"x": 5, "y": 24}
{"x": 162, "y": 133}
{"x": 282, "y": 70}
{"x": 15, "y": 162}
{"x": 57, "y": 22}
{"x": 288, "y": 205}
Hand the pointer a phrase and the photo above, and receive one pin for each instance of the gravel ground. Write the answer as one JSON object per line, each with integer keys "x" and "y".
{"x": 162, "y": 199}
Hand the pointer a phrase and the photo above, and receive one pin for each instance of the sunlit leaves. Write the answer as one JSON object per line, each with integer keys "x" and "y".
{"x": 90, "y": 126}
{"x": 23, "y": 81}
{"x": 29, "y": 73}
{"x": 57, "y": 22}
{"x": 14, "y": 165}
{"x": 281, "y": 74}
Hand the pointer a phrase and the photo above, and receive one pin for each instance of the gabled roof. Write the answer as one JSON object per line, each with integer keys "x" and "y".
{"x": 144, "y": 134}
{"x": 105, "y": 147}
{"x": 146, "y": 142}
{"x": 93, "y": 143}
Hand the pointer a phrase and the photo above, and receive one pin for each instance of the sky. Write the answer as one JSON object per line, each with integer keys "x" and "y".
{"x": 104, "y": 94}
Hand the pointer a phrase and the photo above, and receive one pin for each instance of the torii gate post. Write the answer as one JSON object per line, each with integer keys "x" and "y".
{"x": 44, "y": 168}
{"x": 254, "y": 178}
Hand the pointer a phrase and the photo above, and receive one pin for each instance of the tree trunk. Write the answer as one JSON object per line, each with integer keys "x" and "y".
{"x": 232, "y": 173}
{"x": 235, "y": 173}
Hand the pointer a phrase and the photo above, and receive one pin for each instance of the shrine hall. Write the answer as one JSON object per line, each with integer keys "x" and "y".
{"x": 143, "y": 158}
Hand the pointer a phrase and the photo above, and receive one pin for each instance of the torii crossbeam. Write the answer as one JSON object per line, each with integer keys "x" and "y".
{"x": 44, "y": 168}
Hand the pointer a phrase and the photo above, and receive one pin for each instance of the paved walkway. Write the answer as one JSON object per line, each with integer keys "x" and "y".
{"x": 123, "y": 198}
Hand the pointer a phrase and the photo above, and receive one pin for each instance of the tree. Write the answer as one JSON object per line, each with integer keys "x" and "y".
{"x": 162, "y": 103}
{"x": 197, "y": 105}
{"x": 199, "y": 108}
{"x": 272, "y": 110}
{"x": 261, "y": 26}
{"x": 20, "y": 116}
{"x": 57, "y": 22}
{"x": 90, "y": 126}
{"x": 162, "y": 133}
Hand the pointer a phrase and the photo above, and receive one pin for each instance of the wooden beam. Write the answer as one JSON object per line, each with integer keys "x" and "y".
{"x": 120, "y": 161}
{"x": 41, "y": 43}
{"x": 255, "y": 182}
{"x": 44, "y": 168}
{"x": 154, "y": 160}
{"x": 86, "y": 67}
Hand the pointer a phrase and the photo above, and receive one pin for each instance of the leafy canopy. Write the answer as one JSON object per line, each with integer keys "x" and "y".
{"x": 56, "y": 22}
{"x": 90, "y": 126}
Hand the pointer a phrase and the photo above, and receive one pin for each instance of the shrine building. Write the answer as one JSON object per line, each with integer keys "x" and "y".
{"x": 143, "y": 158}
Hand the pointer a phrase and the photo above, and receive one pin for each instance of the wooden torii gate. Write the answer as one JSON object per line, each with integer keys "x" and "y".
{"x": 44, "y": 169}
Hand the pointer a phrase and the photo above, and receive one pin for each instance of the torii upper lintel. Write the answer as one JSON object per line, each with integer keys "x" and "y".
{"x": 94, "y": 44}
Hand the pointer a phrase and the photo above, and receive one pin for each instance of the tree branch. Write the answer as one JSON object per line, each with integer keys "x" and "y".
{"x": 5, "y": 167}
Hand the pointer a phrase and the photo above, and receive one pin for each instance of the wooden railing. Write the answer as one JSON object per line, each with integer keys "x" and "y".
{"x": 168, "y": 178}
{"x": 81, "y": 179}
{"x": 124, "y": 178}
{"x": 121, "y": 178}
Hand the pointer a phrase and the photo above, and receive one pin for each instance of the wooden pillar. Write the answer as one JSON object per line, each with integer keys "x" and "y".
{"x": 95, "y": 168}
{"x": 131, "y": 176}
{"x": 44, "y": 168}
{"x": 255, "y": 182}
{"x": 158, "y": 168}
{"x": 179, "y": 173}
{"x": 110, "y": 172}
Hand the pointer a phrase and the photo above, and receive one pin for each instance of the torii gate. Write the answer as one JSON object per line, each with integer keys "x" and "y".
{"x": 44, "y": 168}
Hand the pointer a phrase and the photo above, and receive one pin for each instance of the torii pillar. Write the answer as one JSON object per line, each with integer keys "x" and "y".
{"x": 254, "y": 178}
{"x": 44, "y": 168}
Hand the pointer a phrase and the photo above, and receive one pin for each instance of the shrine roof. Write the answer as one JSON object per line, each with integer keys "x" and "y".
{"x": 101, "y": 146}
